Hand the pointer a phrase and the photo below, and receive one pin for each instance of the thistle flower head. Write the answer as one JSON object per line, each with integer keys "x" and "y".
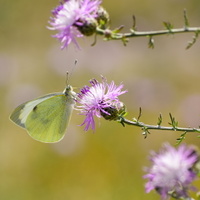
{"x": 101, "y": 100}
{"x": 172, "y": 171}
{"x": 69, "y": 15}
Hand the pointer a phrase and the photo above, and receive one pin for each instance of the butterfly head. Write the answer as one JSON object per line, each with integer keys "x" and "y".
{"x": 69, "y": 92}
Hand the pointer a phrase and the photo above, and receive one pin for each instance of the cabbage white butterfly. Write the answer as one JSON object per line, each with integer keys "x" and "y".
{"x": 46, "y": 118}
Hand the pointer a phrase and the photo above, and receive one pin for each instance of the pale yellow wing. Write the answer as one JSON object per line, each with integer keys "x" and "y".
{"x": 49, "y": 119}
{"x": 20, "y": 114}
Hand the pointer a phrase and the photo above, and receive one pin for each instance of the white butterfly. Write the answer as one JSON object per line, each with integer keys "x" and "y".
{"x": 46, "y": 118}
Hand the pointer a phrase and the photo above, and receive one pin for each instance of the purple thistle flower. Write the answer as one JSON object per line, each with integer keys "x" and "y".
{"x": 172, "y": 171}
{"x": 99, "y": 99}
{"x": 68, "y": 15}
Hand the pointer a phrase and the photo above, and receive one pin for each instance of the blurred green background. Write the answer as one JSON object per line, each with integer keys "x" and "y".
{"x": 107, "y": 164}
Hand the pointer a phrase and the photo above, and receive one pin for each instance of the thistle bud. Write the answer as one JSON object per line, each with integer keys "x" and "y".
{"x": 114, "y": 111}
{"x": 102, "y": 16}
{"x": 87, "y": 26}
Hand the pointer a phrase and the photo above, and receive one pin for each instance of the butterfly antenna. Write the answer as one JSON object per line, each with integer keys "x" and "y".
{"x": 73, "y": 68}
{"x": 69, "y": 74}
{"x": 67, "y": 78}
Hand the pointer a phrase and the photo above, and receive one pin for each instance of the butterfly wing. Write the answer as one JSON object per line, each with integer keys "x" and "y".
{"x": 45, "y": 118}
{"x": 47, "y": 122}
{"x": 20, "y": 114}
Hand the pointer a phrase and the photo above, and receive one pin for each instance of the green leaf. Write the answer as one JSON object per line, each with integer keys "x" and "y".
{"x": 181, "y": 138}
{"x": 119, "y": 29}
{"x": 159, "y": 120}
{"x": 194, "y": 39}
{"x": 124, "y": 40}
{"x": 173, "y": 122}
{"x": 186, "y": 18}
{"x": 168, "y": 26}
{"x": 151, "y": 43}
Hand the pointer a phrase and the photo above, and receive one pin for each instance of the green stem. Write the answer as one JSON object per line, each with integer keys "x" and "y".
{"x": 117, "y": 36}
{"x": 157, "y": 127}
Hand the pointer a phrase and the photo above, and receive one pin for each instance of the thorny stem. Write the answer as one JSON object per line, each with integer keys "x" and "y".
{"x": 157, "y": 127}
{"x": 116, "y": 34}
{"x": 133, "y": 33}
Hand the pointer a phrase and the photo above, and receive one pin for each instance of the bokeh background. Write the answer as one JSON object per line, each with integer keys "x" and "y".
{"x": 107, "y": 164}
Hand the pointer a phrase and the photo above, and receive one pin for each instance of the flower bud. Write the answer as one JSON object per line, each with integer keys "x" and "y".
{"x": 102, "y": 16}
{"x": 87, "y": 26}
{"x": 114, "y": 111}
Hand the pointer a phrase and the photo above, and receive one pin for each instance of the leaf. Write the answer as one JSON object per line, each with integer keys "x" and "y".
{"x": 159, "y": 120}
{"x": 186, "y": 18}
{"x": 124, "y": 40}
{"x": 151, "y": 43}
{"x": 119, "y": 29}
{"x": 168, "y": 26}
{"x": 173, "y": 122}
{"x": 145, "y": 132}
{"x": 134, "y": 23}
{"x": 194, "y": 39}
{"x": 140, "y": 114}
{"x": 181, "y": 138}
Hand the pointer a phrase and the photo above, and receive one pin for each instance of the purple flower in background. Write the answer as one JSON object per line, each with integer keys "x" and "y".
{"x": 172, "y": 171}
{"x": 101, "y": 100}
{"x": 68, "y": 15}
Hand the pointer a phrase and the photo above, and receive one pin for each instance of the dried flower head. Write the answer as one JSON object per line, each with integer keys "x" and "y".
{"x": 172, "y": 171}
{"x": 101, "y": 100}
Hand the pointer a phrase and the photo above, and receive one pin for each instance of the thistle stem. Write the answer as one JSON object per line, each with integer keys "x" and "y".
{"x": 157, "y": 127}
{"x": 118, "y": 36}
